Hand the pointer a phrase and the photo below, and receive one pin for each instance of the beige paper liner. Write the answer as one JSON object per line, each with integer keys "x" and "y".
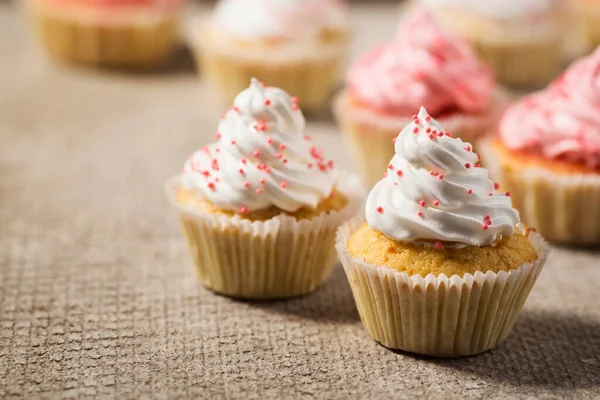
{"x": 562, "y": 207}
{"x": 585, "y": 19}
{"x": 370, "y": 135}
{"x": 277, "y": 258}
{"x": 521, "y": 64}
{"x": 438, "y": 316}
{"x": 308, "y": 75}
{"x": 143, "y": 41}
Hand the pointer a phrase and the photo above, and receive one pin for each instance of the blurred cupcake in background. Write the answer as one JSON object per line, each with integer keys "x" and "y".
{"x": 585, "y": 18}
{"x": 261, "y": 205}
{"x": 117, "y": 33}
{"x": 521, "y": 39}
{"x": 547, "y": 155}
{"x": 297, "y": 45}
{"x": 422, "y": 66}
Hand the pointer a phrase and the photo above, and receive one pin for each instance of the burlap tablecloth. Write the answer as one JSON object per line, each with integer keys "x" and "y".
{"x": 97, "y": 292}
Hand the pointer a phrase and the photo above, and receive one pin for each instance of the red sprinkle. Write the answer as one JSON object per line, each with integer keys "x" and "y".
{"x": 487, "y": 217}
{"x": 285, "y": 160}
{"x": 399, "y": 173}
{"x": 496, "y": 186}
{"x": 241, "y": 170}
{"x": 258, "y": 190}
{"x": 267, "y": 102}
{"x": 469, "y": 191}
{"x": 394, "y": 140}
{"x": 295, "y": 100}
{"x": 269, "y": 140}
{"x": 307, "y": 137}
{"x": 246, "y": 184}
{"x": 278, "y": 155}
{"x": 211, "y": 186}
{"x": 330, "y": 164}
{"x": 218, "y": 135}
{"x": 467, "y": 148}
{"x": 439, "y": 245}
{"x": 390, "y": 166}
{"x": 262, "y": 181}
{"x": 309, "y": 165}
{"x": 508, "y": 194}
{"x": 256, "y": 153}
{"x": 422, "y": 203}
{"x": 484, "y": 227}
{"x": 243, "y": 209}
{"x": 467, "y": 165}
{"x": 420, "y": 213}
{"x": 283, "y": 185}
{"x": 428, "y": 118}
{"x": 431, "y": 136}
{"x": 244, "y": 161}
{"x": 436, "y": 203}
{"x": 282, "y": 146}
{"x": 440, "y": 177}
{"x": 428, "y": 130}
{"x": 379, "y": 210}
{"x": 416, "y": 130}
{"x": 233, "y": 142}
{"x": 205, "y": 173}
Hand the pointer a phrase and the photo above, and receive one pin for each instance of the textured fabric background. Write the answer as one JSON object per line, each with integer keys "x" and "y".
{"x": 97, "y": 292}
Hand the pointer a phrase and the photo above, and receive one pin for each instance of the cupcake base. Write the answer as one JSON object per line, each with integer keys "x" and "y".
{"x": 438, "y": 316}
{"x": 555, "y": 197}
{"x": 278, "y": 258}
{"x": 370, "y": 135}
{"x": 142, "y": 40}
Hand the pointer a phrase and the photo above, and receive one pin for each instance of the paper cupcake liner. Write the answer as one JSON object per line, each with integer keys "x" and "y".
{"x": 521, "y": 64}
{"x": 563, "y": 208}
{"x": 586, "y": 21}
{"x": 141, "y": 42}
{"x": 438, "y": 316}
{"x": 370, "y": 135}
{"x": 308, "y": 77}
{"x": 278, "y": 258}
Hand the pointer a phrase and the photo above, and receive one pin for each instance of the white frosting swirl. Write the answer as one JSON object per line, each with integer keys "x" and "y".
{"x": 497, "y": 8}
{"x": 435, "y": 191}
{"x": 266, "y": 19}
{"x": 261, "y": 158}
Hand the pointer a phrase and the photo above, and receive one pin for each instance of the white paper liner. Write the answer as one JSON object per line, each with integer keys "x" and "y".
{"x": 562, "y": 207}
{"x": 278, "y": 258}
{"x": 438, "y": 316}
{"x": 370, "y": 135}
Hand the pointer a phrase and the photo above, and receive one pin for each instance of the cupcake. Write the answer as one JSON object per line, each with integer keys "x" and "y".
{"x": 297, "y": 45}
{"x": 422, "y": 65}
{"x": 442, "y": 265}
{"x": 522, "y": 39}
{"x": 547, "y": 155}
{"x": 260, "y": 207}
{"x": 118, "y": 33}
{"x": 586, "y": 21}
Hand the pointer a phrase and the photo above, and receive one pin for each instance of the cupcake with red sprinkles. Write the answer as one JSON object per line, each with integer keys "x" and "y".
{"x": 547, "y": 155}
{"x": 113, "y": 33}
{"x": 260, "y": 206}
{"x": 442, "y": 265}
{"x": 422, "y": 66}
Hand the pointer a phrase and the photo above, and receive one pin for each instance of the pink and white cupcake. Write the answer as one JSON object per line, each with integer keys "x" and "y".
{"x": 422, "y": 66}
{"x": 121, "y": 33}
{"x": 547, "y": 155}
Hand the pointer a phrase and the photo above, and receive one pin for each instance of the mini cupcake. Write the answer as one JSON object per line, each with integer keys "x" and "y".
{"x": 260, "y": 207}
{"x": 297, "y": 45}
{"x": 522, "y": 39}
{"x": 547, "y": 155}
{"x": 120, "y": 33}
{"x": 423, "y": 65}
{"x": 442, "y": 266}
{"x": 586, "y": 21}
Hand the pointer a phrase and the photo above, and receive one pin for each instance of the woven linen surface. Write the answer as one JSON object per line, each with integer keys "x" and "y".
{"x": 97, "y": 291}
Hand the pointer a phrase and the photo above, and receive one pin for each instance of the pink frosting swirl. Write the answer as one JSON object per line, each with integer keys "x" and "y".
{"x": 423, "y": 66}
{"x": 562, "y": 121}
